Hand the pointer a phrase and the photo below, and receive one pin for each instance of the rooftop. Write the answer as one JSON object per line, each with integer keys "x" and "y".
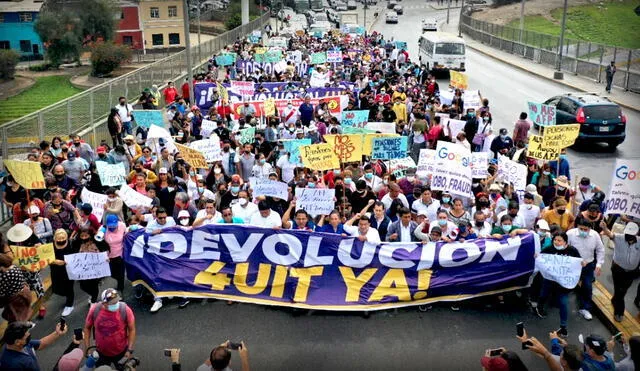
{"x": 20, "y": 6}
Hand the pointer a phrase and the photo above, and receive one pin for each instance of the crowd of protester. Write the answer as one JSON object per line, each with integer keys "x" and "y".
{"x": 372, "y": 203}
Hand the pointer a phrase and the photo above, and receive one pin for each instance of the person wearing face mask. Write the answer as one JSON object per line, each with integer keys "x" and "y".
{"x": 60, "y": 282}
{"x": 85, "y": 243}
{"x": 19, "y": 351}
{"x": 559, "y": 215}
{"x": 561, "y": 190}
{"x": 507, "y": 228}
{"x": 114, "y": 237}
{"x": 551, "y": 288}
{"x": 113, "y": 324}
{"x": 501, "y": 144}
{"x": 262, "y": 168}
{"x": 244, "y": 208}
{"x": 371, "y": 180}
{"x": 74, "y": 167}
{"x": 563, "y": 163}
{"x": 513, "y": 210}
{"x": 40, "y": 226}
{"x": 289, "y": 115}
{"x": 114, "y": 205}
{"x": 125, "y": 114}
{"x": 448, "y": 230}
{"x": 543, "y": 179}
{"x": 626, "y": 257}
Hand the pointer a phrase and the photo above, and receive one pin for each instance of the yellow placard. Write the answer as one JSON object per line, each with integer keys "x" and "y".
{"x": 335, "y": 32}
{"x": 367, "y": 141}
{"x": 535, "y": 149}
{"x": 348, "y": 148}
{"x": 270, "y": 107}
{"x": 459, "y": 80}
{"x": 33, "y": 259}
{"x": 560, "y": 136}
{"x": 260, "y": 50}
{"x": 192, "y": 157}
{"x": 27, "y": 173}
{"x": 319, "y": 157}
{"x": 223, "y": 94}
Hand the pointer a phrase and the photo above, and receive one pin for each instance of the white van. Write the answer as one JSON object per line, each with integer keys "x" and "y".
{"x": 439, "y": 51}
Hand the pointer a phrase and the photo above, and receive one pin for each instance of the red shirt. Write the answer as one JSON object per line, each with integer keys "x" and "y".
{"x": 170, "y": 95}
{"x": 110, "y": 330}
{"x": 185, "y": 90}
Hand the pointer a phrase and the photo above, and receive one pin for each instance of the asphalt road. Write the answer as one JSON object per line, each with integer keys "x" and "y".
{"x": 439, "y": 339}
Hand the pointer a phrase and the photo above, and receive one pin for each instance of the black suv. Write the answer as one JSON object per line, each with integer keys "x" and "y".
{"x": 600, "y": 119}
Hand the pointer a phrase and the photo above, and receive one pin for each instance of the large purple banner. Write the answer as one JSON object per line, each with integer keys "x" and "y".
{"x": 323, "y": 271}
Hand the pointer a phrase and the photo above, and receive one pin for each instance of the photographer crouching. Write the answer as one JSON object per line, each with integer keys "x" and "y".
{"x": 220, "y": 357}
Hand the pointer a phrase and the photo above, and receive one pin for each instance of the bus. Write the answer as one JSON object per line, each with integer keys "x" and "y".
{"x": 441, "y": 52}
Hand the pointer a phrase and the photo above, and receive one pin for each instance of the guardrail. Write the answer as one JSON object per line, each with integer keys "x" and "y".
{"x": 579, "y": 57}
{"x": 86, "y": 112}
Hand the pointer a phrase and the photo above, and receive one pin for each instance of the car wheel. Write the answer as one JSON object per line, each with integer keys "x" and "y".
{"x": 612, "y": 146}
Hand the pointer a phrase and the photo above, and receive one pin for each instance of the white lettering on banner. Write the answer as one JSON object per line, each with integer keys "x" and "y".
{"x": 96, "y": 200}
{"x": 210, "y": 148}
{"x": 471, "y": 99}
{"x": 268, "y": 187}
{"x": 479, "y": 164}
{"x": 207, "y": 127}
{"x": 244, "y": 88}
{"x": 453, "y": 172}
{"x": 624, "y": 193}
{"x": 111, "y": 175}
{"x": 563, "y": 269}
{"x": 87, "y": 265}
{"x": 175, "y": 245}
{"x": 132, "y": 198}
{"x": 249, "y": 67}
{"x": 315, "y": 201}
{"x": 512, "y": 172}
{"x": 426, "y": 162}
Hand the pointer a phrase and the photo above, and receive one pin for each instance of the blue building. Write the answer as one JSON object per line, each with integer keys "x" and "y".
{"x": 17, "y": 30}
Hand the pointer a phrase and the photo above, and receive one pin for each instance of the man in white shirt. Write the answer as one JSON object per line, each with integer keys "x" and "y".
{"x": 394, "y": 192}
{"x": 372, "y": 180}
{"x": 124, "y": 111}
{"x": 289, "y": 114}
{"x": 244, "y": 208}
{"x": 426, "y": 204}
{"x": 160, "y": 222}
{"x": 363, "y": 231}
{"x": 208, "y": 215}
{"x": 529, "y": 211}
{"x": 480, "y": 225}
{"x": 265, "y": 217}
{"x": 514, "y": 212}
{"x": 589, "y": 245}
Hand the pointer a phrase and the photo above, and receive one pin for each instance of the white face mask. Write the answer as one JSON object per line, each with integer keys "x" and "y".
{"x": 111, "y": 199}
{"x": 184, "y": 221}
{"x": 217, "y": 171}
{"x": 243, "y": 201}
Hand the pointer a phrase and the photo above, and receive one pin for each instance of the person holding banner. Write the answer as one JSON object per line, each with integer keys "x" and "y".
{"x": 85, "y": 243}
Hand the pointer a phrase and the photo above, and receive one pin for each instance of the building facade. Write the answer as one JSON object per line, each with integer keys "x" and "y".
{"x": 17, "y": 32}
{"x": 129, "y": 29}
{"x": 162, "y": 23}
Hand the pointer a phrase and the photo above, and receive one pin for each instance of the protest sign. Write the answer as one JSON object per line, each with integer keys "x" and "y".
{"x": 96, "y": 200}
{"x": 471, "y": 99}
{"x": 87, "y": 265}
{"x": 225, "y": 59}
{"x": 207, "y": 127}
{"x": 348, "y": 148}
{"x": 399, "y": 166}
{"x": 319, "y": 157}
{"x": 512, "y": 172}
{"x": 381, "y": 127}
{"x": 111, "y": 175}
{"x": 268, "y": 187}
{"x": 367, "y": 142}
{"x": 479, "y": 164}
{"x": 355, "y": 130}
{"x": 293, "y": 147}
{"x": 459, "y": 80}
{"x": 243, "y": 88}
{"x": 132, "y": 198}
{"x": 319, "y": 79}
{"x": 387, "y": 148}
{"x": 210, "y": 148}
{"x": 33, "y": 259}
{"x": 563, "y": 269}
{"x": 624, "y": 191}
{"x": 270, "y": 107}
{"x": 354, "y": 118}
{"x": 315, "y": 201}
{"x": 146, "y": 118}
{"x": 223, "y": 93}
{"x": 426, "y": 162}
{"x": 453, "y": 172}
{"x": 560, "y": 136}
{"x": 334, "y": 56}
{"x": 319, "y": 58}
{"x": 26, "y": 173}
{"x": 536, "y": 150}
{"x": 247, "y": 136}
{"x": 402, "y": 45}
{"x": 397, "y": 275}
{"x": 455, "y": 127}
{"x": 192, "y": 157}
{"x": 542, "y": 114}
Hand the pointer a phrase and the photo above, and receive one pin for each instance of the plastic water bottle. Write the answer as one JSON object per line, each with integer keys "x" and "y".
{"x": 100, "y": 235}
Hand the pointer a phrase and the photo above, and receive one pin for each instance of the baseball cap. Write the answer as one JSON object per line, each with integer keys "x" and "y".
{"x": 422, "y": 213}
{"x": 531, "y": 188}
{"x": 112, "y": 221}
{"x": 631, "y": 228}
{"x": 495, "y": 187}
{"x": 33, "y": 209}
{"x": 71, "y": 156}
{"x": 494, "y": 363}
{"x": 110, "y": 296}
{"x": 183, "y": 214}
{"x": 542, "y": 224}
{"x": 71, "y": 361}
{"x": 597, "y": 344}
{"x": 162, "y": 170}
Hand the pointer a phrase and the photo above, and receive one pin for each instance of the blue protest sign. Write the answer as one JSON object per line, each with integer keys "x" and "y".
{"x": 354, "y": 118}
{"x": 146, "y": 118}
{"x": 388, "y": 148}
{"x": 542, "y": 114}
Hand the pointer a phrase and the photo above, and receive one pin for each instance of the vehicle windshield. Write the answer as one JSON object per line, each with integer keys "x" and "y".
{"x": 604, "y": 112}
{"x": 450, "y": 48}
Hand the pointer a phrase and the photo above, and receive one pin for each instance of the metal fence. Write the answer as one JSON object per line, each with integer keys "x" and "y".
{"x": 579, "y": 57}
{"x": 85, "y": 113}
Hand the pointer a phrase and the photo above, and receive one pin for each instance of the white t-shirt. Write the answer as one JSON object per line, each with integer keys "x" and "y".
{"x": 517, "y": 221}
{"x": 286, "y": 167}
{"x": 244, "y": 213}
{"x": 431, "y": 209}
{"x": 271, "y": 221}
{"x": 372, "y": 234}
{"x": 386, "y": 200}
{"x": 529, "y": 213}
{"x": 262, "y": 171}
{"x": 203, "y": 214}
{"x": 451, "y": 232}
{"x": 122, "y": 112}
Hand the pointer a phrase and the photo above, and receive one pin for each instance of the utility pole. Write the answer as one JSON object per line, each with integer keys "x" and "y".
{"x": 448, "y": 10}
{"x": 558, "y": 75}
{"x": 187, "y": 43}
{"x": 244, "y": 5}
{"x": 199, "y": 47}
{"x": 521, "y": 19}
{"x": 460, "y": 21}
{"x": 365, "y": 16}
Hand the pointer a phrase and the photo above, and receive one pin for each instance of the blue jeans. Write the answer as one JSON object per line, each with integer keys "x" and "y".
{"x": 548, "y": 288}
{"x": 127, "y": 127}
{"x": 586, "y": 283}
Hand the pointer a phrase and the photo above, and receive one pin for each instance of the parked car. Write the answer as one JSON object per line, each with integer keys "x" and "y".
{"x": 332, "y": 15}
{"x": 600, "y": 119}
{"x": 351, "y": 5}
{"x": 391, "y": 17}
{"x": 398, "y": 9}
{"x": 341, "y": 6}
{"x": 429, "y": 24}
{"x": 392, "y": 4}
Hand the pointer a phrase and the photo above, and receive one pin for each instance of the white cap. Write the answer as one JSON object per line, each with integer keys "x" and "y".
{"x": 183, "y": 214}
{"x": 531, "y": 188}
{"x": 33, "y": 209}
{"x": 631, "y": 228}
{"x": 542, "y": 224}
{"x": 162, "y": 170}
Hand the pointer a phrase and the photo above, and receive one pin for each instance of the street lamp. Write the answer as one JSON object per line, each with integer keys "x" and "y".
{"x": 558, "y": 75}
{"x": 187, "y": 43}
{"x": 460, "y": 20}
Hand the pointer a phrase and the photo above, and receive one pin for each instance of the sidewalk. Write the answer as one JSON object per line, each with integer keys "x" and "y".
{"x": 625, "y": 99}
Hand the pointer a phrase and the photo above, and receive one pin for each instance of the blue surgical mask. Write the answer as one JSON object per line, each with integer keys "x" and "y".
{"x": 563, "y": 157}
{"x": 134, "y": 227}
{"x": 235, "y": 189}
{"x": 368, "y": 175}
{"x": 546, "y": 172}
{"x": 446, "y": 200}
{"x": 442, "y": 222}
{"x": 347, "y": 180}
{"x": 583, "y": 234}
{"x": 336, "y": 172}
{"x": 472, "y": 114}
{"x": 262, "y": 161}
{"x": 113, "y": 307}
{"x": 506, "y": 228}
{"x": 311, "y": 185}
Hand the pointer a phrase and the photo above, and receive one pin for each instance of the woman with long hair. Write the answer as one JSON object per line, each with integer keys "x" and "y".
{"x": 60, "y": 282}
{"x": 114, "y": 124}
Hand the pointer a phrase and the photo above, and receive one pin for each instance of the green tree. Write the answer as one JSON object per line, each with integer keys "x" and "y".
{"x": 98, "y": 20}
{"x": 234, "y": 21}
{"x": 107, "y": 56}
{"x": 8, "y": 62}
{"x": 61, "y": 35}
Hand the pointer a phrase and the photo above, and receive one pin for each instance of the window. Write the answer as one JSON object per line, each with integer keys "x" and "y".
{"x": 118, "y": 16}
{"x": 566, "y": 105}
{"x": 5, "y": 44}
{"x": 450, "y": 49}
{"x": 127, "y": 40}
{"x": 25, "y": 46}
{"x": 155, "y": 12}
{"x": 174, "y": 38}
{"x": 173, "y": 12}
{"x": 157, "y": 39}
{"x": 25, "y": 17}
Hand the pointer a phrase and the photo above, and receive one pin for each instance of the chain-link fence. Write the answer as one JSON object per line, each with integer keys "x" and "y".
{"x": 85, "y": 113}
{"x": 579, "y": 57}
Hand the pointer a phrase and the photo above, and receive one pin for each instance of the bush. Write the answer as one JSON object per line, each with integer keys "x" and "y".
{"x": 234, "y": 21}
{"x": 8, "y": 62}
{"x": 41, "y": 67}
{"x": 107, "y": 56}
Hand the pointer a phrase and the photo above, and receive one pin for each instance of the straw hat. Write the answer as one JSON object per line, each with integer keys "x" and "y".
{"x": 562, "y": 181}
{"x": 19, "y": 233}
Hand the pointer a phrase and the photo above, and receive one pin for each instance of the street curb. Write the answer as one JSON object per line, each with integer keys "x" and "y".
{"x": 561, "y": 82}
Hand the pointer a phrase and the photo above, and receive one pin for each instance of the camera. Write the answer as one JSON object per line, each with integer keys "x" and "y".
{"x": 128, "y": 364}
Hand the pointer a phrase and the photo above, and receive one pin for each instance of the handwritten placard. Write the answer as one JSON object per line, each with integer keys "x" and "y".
{"x": 293, "y": 147}
{"x": 315, "y": 201}
{"x": 381, "y": 127}
{"x": 426, "y": 161}
{"x": 319, "y": 157}
{"x": 542, "y": 114}
{"x": 459, "y": 80}
{"x": 479, "y": 164}
{"x": 387, "y": 148}
{"x": 112, "y": 175}
{"x": 210, "y": 148}
{"x": 192, "y": 157}
{"x": 399, "y": 166}
{"x": 247, "y": 135}
{"x": 268, "y": 187}
{"x": 146, "y": 118}
{"x": 356, "y": 119}
{"x": 244, "y": 88}
{"x": 96, "y": 200}
{"x": 132, "y": 198}
{"x": 560, "y": 136}
{"x": 334, "y": 56}
{"x": 26, "y": 173}
{"x": 33, "y": 259}
{"x": 536, "y": 150}
{"x": 87, "y": 266}
{"x": 563, "y": 269}
{"x": 207, "y": 127}
{"x": 348, "y": 148}
{"x": 471, "y": 99}
{"x": 318, "y": 58}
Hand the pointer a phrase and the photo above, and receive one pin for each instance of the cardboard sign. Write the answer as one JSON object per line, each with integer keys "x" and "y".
{"x": 315, "y": 201}
{"x": 459, "y": 80}
{"x": 319, "y": 157}
{"x": 536, "y": 150}
{"x": 192, "y": 157}
{"x": 348, "y": 148}
{"x": 270, "y": 107}
{"x": 146, "y": 118}
{"x": 210, "y": 148}
{"x": 87, "y": 266}
{"x": 96, "y": 200}
{"x": 26, "y": 173}
{"x": 624, "y": 192}
{"x": 111, "y": 175}
{"x": 542, "y": 114}
{"x": 33, "y": 259}
{"x": 387, "y": 148}
{"x": 560, "y": 136}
